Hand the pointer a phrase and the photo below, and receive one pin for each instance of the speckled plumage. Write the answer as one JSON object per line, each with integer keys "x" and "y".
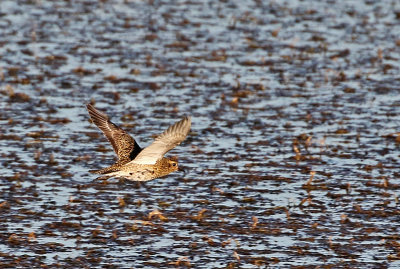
{"x": 135, "y": 163}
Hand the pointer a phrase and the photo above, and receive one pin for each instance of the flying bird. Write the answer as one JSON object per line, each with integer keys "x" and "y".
{"x": 135, "y": 163}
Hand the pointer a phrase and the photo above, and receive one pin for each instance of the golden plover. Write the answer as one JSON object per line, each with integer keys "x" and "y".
{"x": 135, "y": 163}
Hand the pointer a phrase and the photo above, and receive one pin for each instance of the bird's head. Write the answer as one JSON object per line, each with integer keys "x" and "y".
{"x": 172, "y": 165}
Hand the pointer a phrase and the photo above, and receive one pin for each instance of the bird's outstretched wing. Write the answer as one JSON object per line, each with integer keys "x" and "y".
{"x": 123, "y": 144}
{"x": 166, "y": 141}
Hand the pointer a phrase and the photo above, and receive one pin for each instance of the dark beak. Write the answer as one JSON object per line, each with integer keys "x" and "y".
{"x": 183, "y": 169}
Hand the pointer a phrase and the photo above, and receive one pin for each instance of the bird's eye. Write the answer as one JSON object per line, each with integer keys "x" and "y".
{"x": 174, "y": 164}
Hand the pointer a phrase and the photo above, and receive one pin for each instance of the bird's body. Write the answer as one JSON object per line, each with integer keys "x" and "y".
{"x": 144, "y": 172}
{"x": 135, "y": 163}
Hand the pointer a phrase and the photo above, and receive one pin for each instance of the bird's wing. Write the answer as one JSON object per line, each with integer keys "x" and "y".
{"x": 166, "y": 141}
{"x": 123, "y": 144}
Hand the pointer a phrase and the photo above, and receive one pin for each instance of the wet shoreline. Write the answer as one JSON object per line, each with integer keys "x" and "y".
{"x": 293, "y": 157}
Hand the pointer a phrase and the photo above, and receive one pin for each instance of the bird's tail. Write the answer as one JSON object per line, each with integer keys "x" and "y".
{"x": 107, "y": 170}
{"x": 96, "y": 171}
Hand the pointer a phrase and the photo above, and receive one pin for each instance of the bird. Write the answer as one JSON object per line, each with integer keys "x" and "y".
{"x": 135, "y": 163}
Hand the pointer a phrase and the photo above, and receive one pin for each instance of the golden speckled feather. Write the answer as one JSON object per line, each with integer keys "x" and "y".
{"x": 134, "y": 163}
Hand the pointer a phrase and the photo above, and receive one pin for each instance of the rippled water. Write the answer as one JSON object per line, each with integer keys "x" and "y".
{"x": 293, "y": 157}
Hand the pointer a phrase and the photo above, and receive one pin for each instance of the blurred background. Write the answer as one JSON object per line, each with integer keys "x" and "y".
{"x": 293, "y": 156}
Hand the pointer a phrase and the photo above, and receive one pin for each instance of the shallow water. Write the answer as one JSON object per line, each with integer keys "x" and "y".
{"x": 292, "y": 160}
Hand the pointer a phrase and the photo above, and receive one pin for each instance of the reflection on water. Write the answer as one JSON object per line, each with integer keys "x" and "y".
{"x": 293, "y": 155}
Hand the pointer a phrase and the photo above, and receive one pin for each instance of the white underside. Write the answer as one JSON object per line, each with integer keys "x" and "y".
{"x": 138, "y": 176}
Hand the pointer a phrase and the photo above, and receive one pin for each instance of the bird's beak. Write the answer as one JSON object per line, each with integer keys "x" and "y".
{"x": 182, "y": 169}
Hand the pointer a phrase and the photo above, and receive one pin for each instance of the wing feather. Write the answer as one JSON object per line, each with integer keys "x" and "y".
{"x": 166, "y": 141}
{"x": 123, "y": 144}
